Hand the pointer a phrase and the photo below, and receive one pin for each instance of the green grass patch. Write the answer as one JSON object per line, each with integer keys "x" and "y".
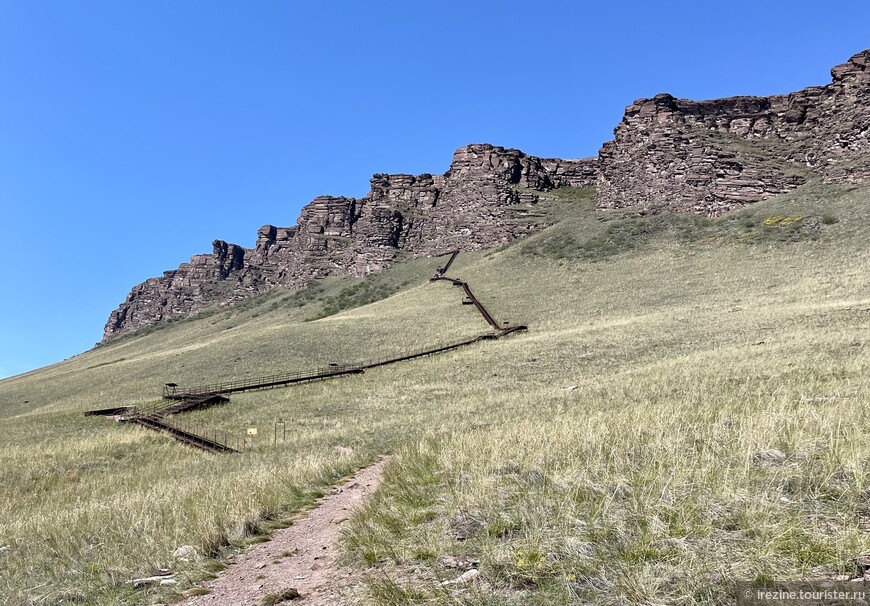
{"x": 620, "y": 451}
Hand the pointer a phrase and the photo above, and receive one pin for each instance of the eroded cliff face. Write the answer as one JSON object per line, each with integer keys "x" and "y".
{"x": 712, "y": 156}
{"x": 478, "y": 203}
{"x": 668, "y": 154}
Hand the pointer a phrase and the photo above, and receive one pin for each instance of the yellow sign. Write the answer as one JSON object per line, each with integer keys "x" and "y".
{"x": 252, "y": 431}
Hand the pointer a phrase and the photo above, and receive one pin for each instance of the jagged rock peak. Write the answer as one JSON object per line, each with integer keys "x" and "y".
{"x": 855, "y": 70}
{"x": 514, "y": 166}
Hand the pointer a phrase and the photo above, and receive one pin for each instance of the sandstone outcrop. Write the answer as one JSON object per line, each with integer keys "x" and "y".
{"x": 668, "y": 154}
{"x": 712, "y": 156}
{"x": 484, "y": 199}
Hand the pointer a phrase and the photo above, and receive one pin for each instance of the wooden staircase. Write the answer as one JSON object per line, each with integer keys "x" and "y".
{"x": 177, "y": 399}
{"x": 196, "y": 440}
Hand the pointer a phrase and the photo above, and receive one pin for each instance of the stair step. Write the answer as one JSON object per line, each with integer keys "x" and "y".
{"x": 190, "y": 438}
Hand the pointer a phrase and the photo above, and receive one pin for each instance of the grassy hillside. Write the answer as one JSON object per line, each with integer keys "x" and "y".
{"x": 687, "y": 409}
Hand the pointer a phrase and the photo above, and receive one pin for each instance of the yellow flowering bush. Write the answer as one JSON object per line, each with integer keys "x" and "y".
{"x": 780, "y": 221}
{"x": 531, "y": 566}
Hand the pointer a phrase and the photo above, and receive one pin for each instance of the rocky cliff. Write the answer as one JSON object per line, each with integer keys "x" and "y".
{"x": 477, "y": 203}
{"x": 668, "y": 154}
{"x": 712, "y": 156}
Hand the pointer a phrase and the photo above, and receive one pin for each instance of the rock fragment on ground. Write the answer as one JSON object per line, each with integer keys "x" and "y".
{"x": 459, "y": 562}
{"x": 465, "y": 577}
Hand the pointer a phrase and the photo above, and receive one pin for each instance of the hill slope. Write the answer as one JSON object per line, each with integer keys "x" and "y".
{"x": 684, "y": 411}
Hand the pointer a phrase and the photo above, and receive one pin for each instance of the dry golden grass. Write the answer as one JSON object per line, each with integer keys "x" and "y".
{"x": 621, "y": 451}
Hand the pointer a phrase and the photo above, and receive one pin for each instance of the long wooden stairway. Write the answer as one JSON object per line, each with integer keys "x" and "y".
{"x": 197, "y": 440}
{"x": 177, "y": 399}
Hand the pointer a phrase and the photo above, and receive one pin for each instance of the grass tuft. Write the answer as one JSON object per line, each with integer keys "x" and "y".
{"x": 281, "y": 597}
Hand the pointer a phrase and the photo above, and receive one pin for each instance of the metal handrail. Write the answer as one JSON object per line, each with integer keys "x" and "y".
{"x": 195, "y": 434}
{"x": 179, "y": 393}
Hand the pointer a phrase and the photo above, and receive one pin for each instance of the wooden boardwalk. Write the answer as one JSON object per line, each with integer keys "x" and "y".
{"x": 178, "y": 399}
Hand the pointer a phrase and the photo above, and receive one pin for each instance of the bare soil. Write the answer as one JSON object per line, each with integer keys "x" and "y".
{"x": 303, "y": 556}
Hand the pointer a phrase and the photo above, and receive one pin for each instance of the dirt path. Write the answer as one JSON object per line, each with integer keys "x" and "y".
{"x": 302, "y": 556}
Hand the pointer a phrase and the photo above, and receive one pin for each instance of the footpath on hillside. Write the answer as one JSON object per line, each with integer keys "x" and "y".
{"x": 302, "y": 557}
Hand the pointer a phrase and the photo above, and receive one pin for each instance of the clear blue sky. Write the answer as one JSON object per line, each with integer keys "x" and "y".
{"x": 132, "y": 134}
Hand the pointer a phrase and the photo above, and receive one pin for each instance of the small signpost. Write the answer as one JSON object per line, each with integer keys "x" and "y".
{"x": 283, "y": 432}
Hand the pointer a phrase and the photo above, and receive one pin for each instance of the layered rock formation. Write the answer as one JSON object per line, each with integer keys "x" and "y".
{"x": 668, "y": 154}
{"x": 712, "y": 156}
{"x": 478, "y": 203}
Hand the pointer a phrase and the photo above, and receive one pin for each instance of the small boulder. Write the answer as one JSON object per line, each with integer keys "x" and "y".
{"x": 184, "y": 553}
{"x": 465, "y": 577}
